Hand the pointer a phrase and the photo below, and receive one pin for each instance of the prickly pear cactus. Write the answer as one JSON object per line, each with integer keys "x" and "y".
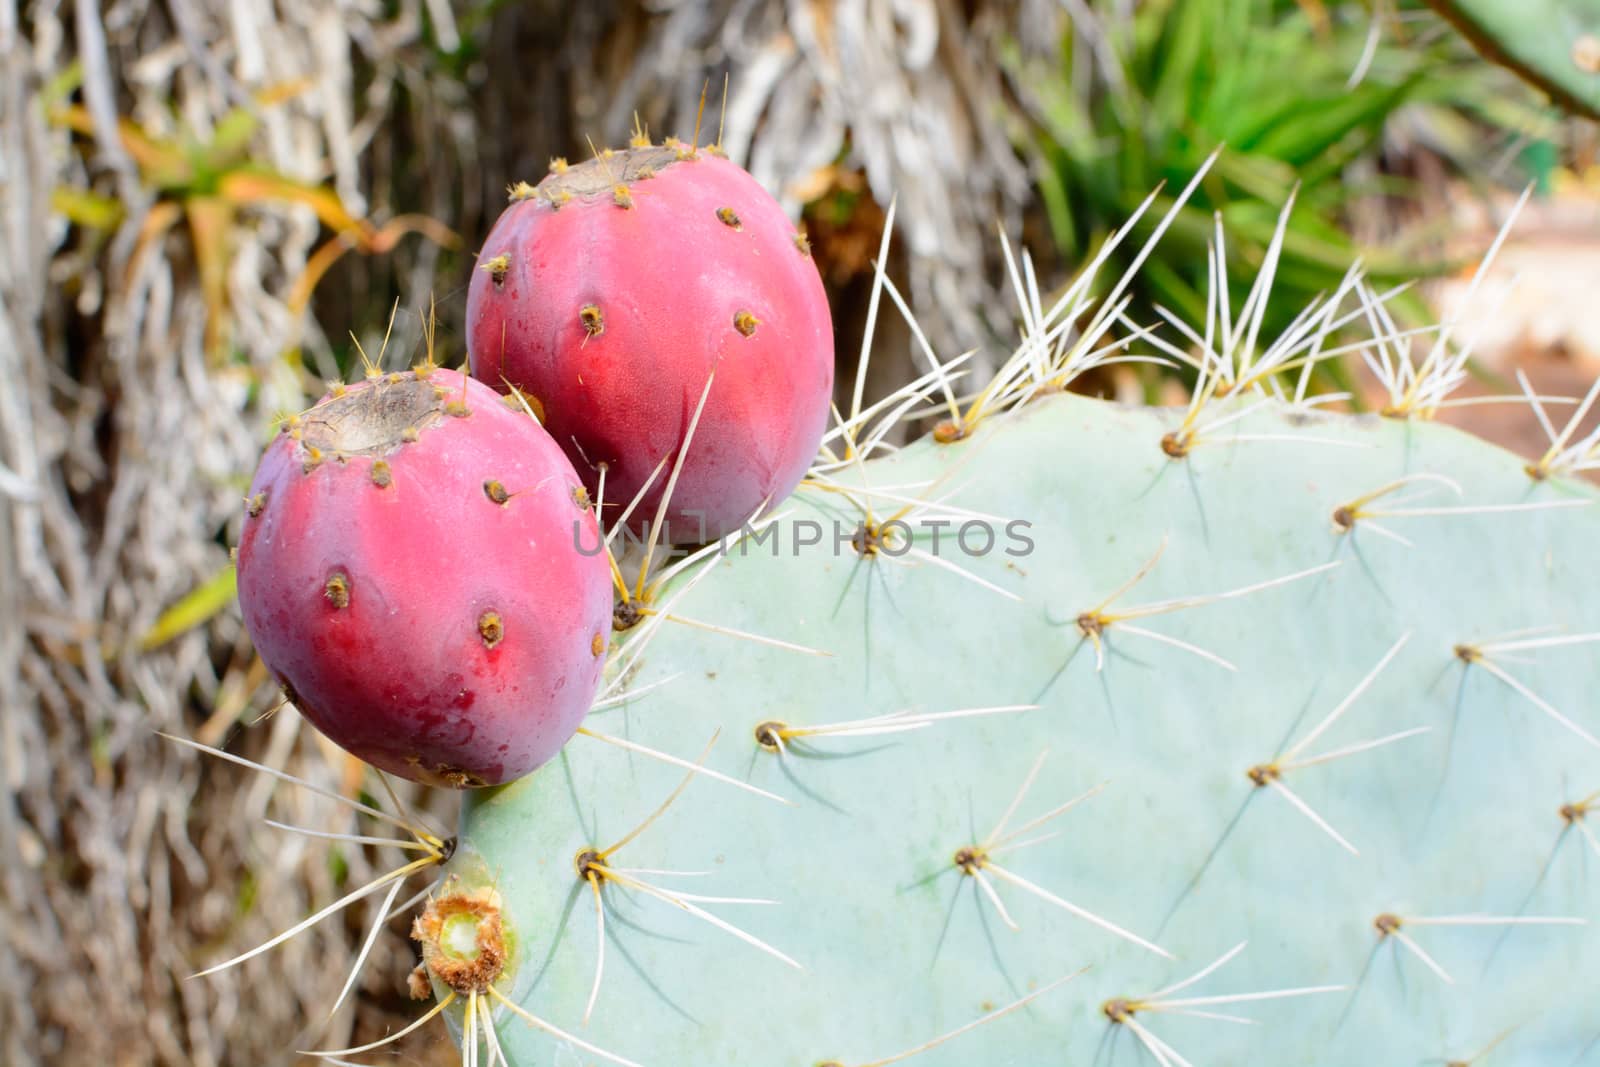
{"x": 1071, "y": 733}
{"x": 1248, "y": 712}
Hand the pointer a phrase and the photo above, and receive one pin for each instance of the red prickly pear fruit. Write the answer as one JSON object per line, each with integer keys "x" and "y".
{"x": 614, "y": 311}
{"x": 420, "y": 571}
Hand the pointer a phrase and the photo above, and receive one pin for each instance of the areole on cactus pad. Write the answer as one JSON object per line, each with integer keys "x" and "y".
{"x": 420, "y": 569}
{"x": 619, "y": 290}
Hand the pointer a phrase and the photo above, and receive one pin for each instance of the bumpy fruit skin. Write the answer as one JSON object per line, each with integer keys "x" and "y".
{"x": 419, "y": 569}
{"x": 611, "y": 294}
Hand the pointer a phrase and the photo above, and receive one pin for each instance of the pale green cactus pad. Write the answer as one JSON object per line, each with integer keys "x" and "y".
{"x": 1555, "y": 44}
{"x": 1408, "y": 665}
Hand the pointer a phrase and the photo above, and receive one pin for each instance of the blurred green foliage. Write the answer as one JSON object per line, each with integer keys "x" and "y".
{"x": 1302, "y": 98}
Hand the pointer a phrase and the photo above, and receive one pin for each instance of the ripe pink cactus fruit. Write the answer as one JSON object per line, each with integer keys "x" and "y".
{"x": 612, "y": 292}
{"x": 420, "y": 569}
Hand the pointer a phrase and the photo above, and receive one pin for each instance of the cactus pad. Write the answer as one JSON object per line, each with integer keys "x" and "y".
{"x": 1311, "y": 700}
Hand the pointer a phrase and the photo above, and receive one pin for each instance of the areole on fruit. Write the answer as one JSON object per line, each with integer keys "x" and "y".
{"x": 410, "y": 570}
{"x": 614, "y": 310}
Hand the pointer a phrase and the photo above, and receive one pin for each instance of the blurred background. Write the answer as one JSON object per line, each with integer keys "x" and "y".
{"x": 207, "y": 203}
